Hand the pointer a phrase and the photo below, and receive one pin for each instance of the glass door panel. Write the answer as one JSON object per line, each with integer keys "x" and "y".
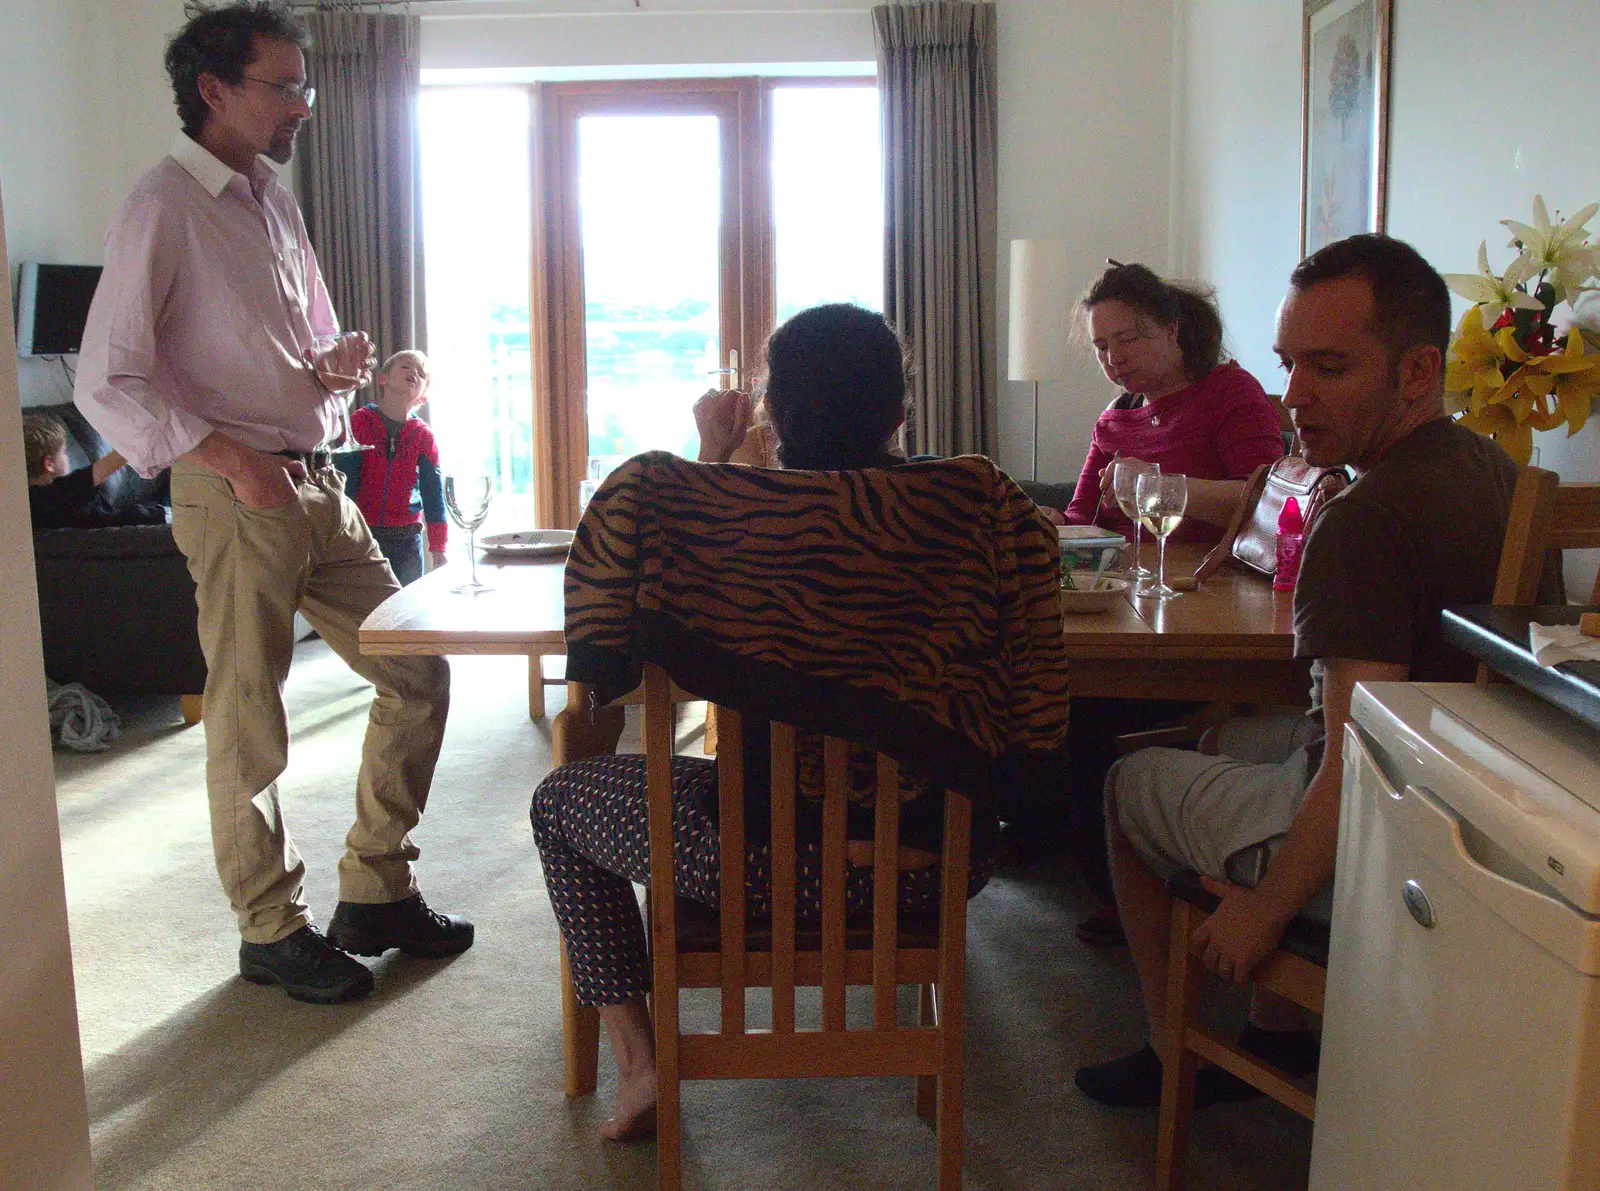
{"x": 476, "y": 227}
{"x": 827, "y": 196}
{"x": 650, "y": 188}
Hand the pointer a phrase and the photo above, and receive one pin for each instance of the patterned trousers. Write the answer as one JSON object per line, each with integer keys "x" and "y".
{"x": 591, "y": 825}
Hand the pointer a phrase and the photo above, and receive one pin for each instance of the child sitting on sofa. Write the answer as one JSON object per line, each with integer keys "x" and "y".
{"x": 60, "y": 498}
{"x": 396, "y": 484}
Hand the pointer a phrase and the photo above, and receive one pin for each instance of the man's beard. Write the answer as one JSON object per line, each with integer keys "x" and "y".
{"x": 281, "y": 149}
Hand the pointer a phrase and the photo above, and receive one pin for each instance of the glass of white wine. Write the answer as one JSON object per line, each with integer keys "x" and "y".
{"x": 467, "y": 499}
{"x": 1161, "y": 500}
{"x": 1125, "y": 475}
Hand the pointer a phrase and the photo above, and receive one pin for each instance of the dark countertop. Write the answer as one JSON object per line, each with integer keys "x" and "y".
{"x": 1498, "y": 637}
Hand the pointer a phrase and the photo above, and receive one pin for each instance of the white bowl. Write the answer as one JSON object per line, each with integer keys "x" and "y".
{"x": 1084, "y": 592}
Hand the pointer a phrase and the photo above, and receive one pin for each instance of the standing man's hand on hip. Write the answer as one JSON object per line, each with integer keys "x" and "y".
{"x": 347, "y": 365}
{"x": 258, "y": 480}
{"x": 266, "y": 481}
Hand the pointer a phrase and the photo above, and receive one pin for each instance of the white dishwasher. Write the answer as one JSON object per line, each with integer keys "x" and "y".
{"x": 1461, "y": 1040}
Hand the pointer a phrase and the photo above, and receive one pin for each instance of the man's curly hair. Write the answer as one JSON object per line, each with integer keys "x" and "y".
{"x": 221, "y": 41}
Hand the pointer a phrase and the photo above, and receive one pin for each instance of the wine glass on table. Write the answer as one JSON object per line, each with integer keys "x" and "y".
{"x": 1161, "y": 500}
{"x": 467, "y": 500}
{"x": 1125, "y": 475}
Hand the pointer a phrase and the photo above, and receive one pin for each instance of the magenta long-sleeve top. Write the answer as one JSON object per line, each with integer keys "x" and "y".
{"x": 1218, "y": 428}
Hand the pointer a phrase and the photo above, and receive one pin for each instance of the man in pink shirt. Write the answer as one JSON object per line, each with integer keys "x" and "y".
{"x": 212, "y": 347}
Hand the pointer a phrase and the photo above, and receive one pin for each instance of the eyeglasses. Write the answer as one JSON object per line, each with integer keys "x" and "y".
{"x": 291, "y": 92}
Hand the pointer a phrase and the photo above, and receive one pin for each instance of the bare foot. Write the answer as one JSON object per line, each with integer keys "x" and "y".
{"x": 636, "y": 1108}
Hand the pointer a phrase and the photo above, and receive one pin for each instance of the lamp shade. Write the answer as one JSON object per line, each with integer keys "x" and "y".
{"x": 1041, "y": 306}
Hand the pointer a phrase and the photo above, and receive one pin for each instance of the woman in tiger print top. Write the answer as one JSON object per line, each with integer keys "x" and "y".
{"x": 954, "y": 665}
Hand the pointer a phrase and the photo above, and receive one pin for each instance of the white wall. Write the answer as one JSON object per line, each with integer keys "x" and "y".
{"x": 44, "y": 1128}
{"x": 1465, "y": 150}
{"x": 87, "y": 110}
{"x": 505, "y": 39}
{"x": 1085, "y": 131}
{"x": 1236, "y": 201}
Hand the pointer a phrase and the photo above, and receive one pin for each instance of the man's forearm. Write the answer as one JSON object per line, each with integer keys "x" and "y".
{"x": 1304, "y": 864}
{"x": 103, "y": 468}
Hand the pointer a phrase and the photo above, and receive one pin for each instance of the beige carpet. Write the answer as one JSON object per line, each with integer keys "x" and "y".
{"x": 450, "y": 1075}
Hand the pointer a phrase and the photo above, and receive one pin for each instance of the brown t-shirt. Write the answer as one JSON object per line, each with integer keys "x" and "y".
{"x": 1420, "y": 532}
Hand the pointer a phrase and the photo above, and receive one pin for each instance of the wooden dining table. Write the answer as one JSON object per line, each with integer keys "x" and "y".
{"x": 1230, "y": 641}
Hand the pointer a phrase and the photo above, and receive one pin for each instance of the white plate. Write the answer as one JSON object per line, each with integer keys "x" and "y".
{"x": 527, "y": 543}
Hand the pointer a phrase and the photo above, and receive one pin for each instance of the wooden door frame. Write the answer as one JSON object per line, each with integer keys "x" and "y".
{"x": 560, "y": 416}
{"x": 749, "y": 284}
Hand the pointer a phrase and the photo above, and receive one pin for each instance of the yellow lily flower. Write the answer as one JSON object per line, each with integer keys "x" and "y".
{"x": 1498, "y": 422}
{"x": 1577, "y": 381}
{"x": 1517, "y": 442}
{"x": 1575, "y": 396}
{"x": 1475, "y": 374}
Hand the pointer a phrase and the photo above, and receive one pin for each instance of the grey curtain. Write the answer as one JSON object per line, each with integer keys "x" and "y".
{"x": 359, "y": 174}
{"x": 936, "y": 80}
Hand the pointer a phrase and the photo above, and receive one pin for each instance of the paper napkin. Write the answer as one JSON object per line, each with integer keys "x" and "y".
{"x": 1553, "y": 644}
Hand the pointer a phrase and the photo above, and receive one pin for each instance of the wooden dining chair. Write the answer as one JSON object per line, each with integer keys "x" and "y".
{"x": 696, "y": 947}
{"x": 1297, "y": 971}
{"x": 1546, "y": 515}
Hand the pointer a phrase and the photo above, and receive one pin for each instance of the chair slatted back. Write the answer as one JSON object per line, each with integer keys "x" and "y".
{"x": 1546, "y": 515}
{"x": 785, "y": 957}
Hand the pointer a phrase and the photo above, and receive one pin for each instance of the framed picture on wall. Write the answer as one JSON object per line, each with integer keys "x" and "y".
{"x": 1345, "y": 119}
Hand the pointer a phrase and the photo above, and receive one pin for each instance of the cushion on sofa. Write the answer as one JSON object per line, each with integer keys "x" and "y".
{"x": 108, "y": 542}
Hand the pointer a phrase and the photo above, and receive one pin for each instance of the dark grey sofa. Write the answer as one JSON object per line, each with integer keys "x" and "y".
{"x": 116, "y": 605}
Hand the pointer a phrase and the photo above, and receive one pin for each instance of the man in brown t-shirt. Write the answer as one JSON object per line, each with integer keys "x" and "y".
{"x": 1362, "y": 334}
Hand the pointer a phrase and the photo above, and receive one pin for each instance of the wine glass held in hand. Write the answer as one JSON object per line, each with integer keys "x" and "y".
{"x": 467, "y": 500}
{"x": 1125, "y": 475}
{"x": 343, "y": 369}
{"x": 1161, "y": 500}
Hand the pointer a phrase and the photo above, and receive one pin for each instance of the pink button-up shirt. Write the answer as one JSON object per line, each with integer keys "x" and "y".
{"x": 209, "y": 301}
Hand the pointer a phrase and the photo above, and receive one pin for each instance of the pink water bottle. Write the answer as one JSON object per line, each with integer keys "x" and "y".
{"x": 1291, "y": 537}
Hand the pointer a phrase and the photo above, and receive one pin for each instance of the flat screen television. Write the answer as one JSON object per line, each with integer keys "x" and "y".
{"x": 52, "y": 306}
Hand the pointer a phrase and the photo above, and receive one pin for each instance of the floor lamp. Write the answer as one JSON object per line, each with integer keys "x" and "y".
{"x": 1041, "y": 309}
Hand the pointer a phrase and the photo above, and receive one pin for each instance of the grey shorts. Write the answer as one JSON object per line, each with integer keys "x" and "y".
{"x": 1185, "y": 810}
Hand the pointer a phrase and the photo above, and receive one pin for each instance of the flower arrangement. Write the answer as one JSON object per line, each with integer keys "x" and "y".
{"x": 1508, "y": 372}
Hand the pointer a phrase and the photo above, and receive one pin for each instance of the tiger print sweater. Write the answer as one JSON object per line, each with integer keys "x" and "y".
{"x": 912, "y": 610}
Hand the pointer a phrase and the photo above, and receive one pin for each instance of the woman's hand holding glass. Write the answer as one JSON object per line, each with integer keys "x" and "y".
{"x": 722, "y": 416}
{"x": 1124, "y": 474}
{"x": 1160, "y": 501}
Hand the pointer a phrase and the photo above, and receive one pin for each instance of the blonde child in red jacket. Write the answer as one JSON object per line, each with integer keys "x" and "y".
{"x": 397, "y": 484}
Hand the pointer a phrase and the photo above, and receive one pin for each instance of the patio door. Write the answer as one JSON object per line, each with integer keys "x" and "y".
{"x": 653, "y": 266}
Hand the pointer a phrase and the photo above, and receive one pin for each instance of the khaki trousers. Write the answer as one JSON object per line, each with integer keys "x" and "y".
{"x": 253, "y": 569}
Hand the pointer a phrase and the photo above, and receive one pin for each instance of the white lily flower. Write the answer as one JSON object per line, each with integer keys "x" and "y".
{"x": 1494, "y": 293}
{"x": 1561, "y": 250}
